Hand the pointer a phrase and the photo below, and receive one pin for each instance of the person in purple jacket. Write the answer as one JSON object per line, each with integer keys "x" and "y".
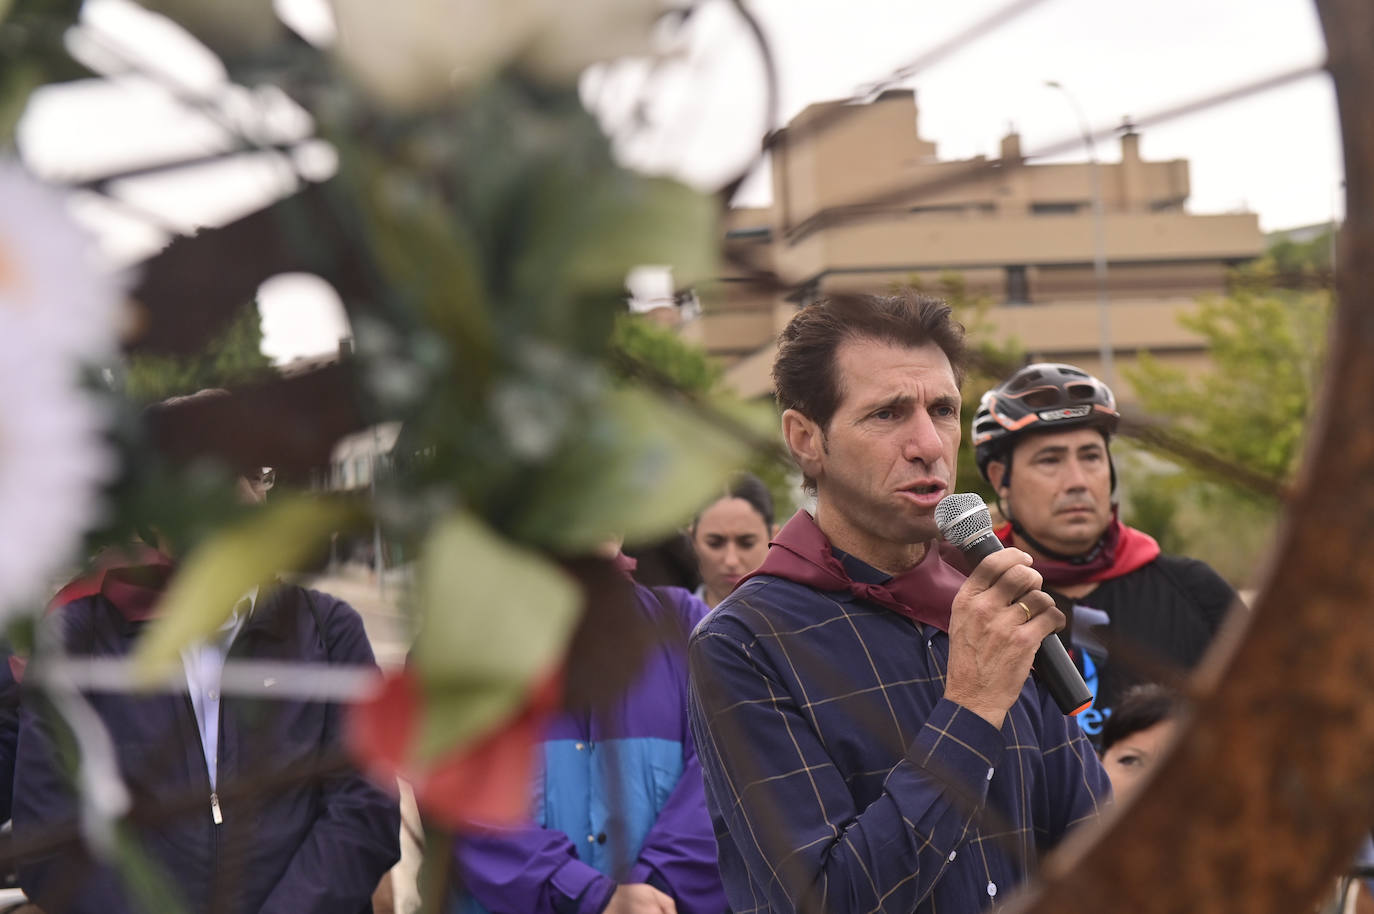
{"x": 870, "y": 736}
{"x": 620, "y": 823}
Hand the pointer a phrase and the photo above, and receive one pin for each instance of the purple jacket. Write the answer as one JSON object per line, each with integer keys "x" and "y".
{"x": 308, "y": 847}
{"x": 620, "y": 800}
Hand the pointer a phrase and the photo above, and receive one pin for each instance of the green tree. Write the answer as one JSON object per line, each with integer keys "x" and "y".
{"x": 1250, "y": 408}
{"x": 234, "y": 357}
{"x": 1251, "y": 405}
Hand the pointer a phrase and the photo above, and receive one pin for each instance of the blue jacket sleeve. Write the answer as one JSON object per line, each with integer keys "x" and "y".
{"x": 790, "y": 817}
{"x": 9, "y": 732}
{"x": 529, "y": 870}
{"x": 679, "y": 852}
{"x": 357, "y": 838}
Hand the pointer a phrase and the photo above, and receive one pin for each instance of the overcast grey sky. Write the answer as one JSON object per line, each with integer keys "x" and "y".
{"x": 1277, "y": 154}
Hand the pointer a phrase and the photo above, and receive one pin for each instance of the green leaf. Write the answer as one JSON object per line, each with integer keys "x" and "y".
{"x": 276, "y": 538}
{"x": 587, "y": 233}
{"x": 639, "y": 468}
{"x": 493, "y": 618}
{"x": 16, "y": 85}
{"x": 432, "y": 264}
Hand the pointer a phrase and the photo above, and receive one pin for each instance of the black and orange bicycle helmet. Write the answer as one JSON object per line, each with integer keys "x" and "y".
{"x": 1045, "y": 396}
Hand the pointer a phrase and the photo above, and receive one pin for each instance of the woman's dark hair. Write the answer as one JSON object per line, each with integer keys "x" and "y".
{"x": 750, "y": 488}
{"x": 1140, "y": 708}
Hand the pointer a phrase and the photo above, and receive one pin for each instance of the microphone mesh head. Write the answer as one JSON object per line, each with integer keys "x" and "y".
{"x": 962, "y": 516}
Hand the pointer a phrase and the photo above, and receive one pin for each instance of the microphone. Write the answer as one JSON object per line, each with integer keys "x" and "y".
{"x": 964, "y": 521}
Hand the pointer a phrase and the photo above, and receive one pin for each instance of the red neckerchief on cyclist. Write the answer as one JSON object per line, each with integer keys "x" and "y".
{"x": 801, "y": 553}
{"x": 1121, "y": 550}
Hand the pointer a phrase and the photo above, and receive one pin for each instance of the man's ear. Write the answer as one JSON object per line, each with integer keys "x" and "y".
{"x": 997, "y": 471}
{"x": 805, "y": 440}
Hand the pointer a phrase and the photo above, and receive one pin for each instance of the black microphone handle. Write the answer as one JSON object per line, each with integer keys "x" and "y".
{"x": 1052, "y": 664}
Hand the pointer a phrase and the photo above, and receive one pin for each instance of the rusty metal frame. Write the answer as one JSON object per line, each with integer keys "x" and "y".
{"x": 1264, "y": 801}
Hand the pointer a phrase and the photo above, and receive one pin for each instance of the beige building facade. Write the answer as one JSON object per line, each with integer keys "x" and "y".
{"x": 863, "y": 202}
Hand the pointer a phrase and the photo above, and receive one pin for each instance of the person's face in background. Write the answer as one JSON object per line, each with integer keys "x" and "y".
{"x": 1130, "y": 758}
{"x": 1061, "y": 488}
{"x": 730, "y": 540}
{"x": 254, "y": 486}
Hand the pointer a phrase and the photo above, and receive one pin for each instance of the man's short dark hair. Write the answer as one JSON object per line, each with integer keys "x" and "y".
{"x": 805, "y": 377}
{"x": 1140, "y": 708}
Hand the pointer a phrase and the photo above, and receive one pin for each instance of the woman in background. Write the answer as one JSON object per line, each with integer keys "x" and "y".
{"x": 730, "y": 536}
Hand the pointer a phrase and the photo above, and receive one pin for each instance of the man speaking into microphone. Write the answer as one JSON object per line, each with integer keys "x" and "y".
{"x": 869, "y": 733}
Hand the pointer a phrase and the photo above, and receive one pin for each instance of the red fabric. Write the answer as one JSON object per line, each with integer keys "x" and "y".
{"x": 1123, "y": 549}
{"x": 484, "y": 783}
{"x": 626, "y": 565}
{"x": 800, "y": 552}
{"x": 132, "y": 578}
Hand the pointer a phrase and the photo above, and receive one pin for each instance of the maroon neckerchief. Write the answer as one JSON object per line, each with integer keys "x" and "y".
{"x": 1121, "y": 550}
{"x": 625, "y": 565}
{"x": 132, "y": 578}
{"x": 801, "y": 553}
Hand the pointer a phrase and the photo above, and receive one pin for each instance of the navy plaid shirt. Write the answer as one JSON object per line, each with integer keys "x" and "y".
{"x": 839, "y": 779}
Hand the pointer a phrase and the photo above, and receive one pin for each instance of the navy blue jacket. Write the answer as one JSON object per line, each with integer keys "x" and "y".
{"x": 317, "y": 847}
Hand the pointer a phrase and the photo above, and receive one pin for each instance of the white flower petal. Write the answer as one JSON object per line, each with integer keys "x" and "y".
{"x": 410, "y": 53}
{"x": 573, "y": 36}
{"x": 53, "y": 459}
{"x": 51, "y": 279}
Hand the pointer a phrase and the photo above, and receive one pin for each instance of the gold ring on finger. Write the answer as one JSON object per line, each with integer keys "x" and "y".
{"x": 1025, "y": 609}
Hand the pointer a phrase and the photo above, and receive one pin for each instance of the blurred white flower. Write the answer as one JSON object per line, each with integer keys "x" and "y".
{"x": 51, "y": 278}
{"x": 58, "y": 307}
{"x": 52, "y": 461}
{"x": 410, "y": 53}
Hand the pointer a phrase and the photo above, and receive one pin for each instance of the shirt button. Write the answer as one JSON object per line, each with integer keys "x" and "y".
{"x": 952, "y": 855}
{"x": 212, "y": 695}
{"x": 989, "y": 778}
{"x": 579, "y": 747}
{"x": 992, "y": 889}
{"x": 591, "y": 839}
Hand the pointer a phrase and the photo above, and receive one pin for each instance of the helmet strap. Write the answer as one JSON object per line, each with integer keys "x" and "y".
{"x": 1049, "y": 553}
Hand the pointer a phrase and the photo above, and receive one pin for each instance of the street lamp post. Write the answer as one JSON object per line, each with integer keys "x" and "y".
{"x": 1104, "y": 318}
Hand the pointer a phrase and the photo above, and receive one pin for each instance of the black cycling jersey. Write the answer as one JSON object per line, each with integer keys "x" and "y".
{"x": 1168, "y": 610}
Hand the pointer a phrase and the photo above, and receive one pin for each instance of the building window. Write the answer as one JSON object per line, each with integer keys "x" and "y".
{"x": 947, "y": 209}
{"x": 1018, "y": 286}
{"x": 1055, "y": 209}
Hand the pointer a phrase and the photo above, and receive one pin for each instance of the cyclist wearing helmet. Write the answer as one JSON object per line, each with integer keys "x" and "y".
{"x": 1042, "y": 440}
